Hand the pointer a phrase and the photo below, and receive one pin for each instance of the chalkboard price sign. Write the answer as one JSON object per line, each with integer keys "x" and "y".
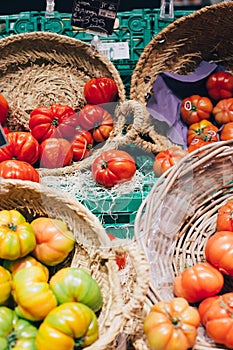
{"x": 94, "y": 15}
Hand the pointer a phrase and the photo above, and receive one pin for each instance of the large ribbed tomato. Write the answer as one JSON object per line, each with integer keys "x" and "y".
{"x": 100, "y": 90}
{"x": 97, "y": 120}
{"x": 197, "y": 282}
{"x": 82, "y": 145}
{"x": 15, "y": 265}
{"x": 113, "y": 167}
{"x": 225, "y": 217}
{"x": 219, "y": 251}
{"x": 204, "y": 130}
{"x": 17, "y": 169}
{"x": 217, "y": 317}
{"x": 172, "y": 325}
{"x": 4, "y": 108}
{"x": 69, "y": 283}
{"x": 16, "y": 333}
{"x": 220, "y": 85}
{"x": 54, "y": 121}
{"x": 195, "y": 108}
{"x": 22, "y": 146}
{"x": 226, "y": 132}
{"x": 69, "y": 326}
{"x": 223, "y": 111}
{"x": 164, "y": 160}
{"x": 32, "y": 294}
{"x": 54, "y": 241}
{"x": 55, "y": 153}
{"x": 17, "y": 237}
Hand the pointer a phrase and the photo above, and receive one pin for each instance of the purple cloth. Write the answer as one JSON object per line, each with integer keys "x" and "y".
{"x": 169, "y": 89}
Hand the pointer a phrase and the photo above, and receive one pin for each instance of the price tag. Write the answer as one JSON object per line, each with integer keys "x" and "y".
{"x": 115, "y": 51}
{"x": 94, "y": 15}
{"x": 3, "y": 140}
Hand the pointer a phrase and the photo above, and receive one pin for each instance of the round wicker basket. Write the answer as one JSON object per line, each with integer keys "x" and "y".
{"x": 178, "y": 216}
{"x": 205, "y": 34}
{"x": 123, "y": 291}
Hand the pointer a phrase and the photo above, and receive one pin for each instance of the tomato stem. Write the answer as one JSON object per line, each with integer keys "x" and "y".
{"x": 104, "y": 164}
{"x": 12, "y": 226}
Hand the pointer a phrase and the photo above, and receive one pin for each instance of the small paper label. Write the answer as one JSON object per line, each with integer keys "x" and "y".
{"x": 115, "y": 51}
{"x": 94, "y": 15}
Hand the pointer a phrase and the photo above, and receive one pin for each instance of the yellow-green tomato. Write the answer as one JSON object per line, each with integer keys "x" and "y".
{"x": 15, "y": 333}
{"x": 27, "y": 261}
{"x": 67, "y": 327}
{"x": 32, "y": 294}
{"x": 5, "y": 285}
{"x": 75, "y": 284}
{"x": 17, "y": 237}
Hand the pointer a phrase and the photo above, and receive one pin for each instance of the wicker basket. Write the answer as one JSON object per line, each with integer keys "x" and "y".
{"x": 178, "y": 216}
{"x": 123, "y": 291}
{"x": 179, "y": 48}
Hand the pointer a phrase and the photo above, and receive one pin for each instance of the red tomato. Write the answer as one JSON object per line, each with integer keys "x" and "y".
{"x": 4, "y": 109}
{"x": 113, "y": 167}
{"x": 18, "y": 169}
{"x": 57, "y": 121}
{"x": 22, "y": 146}
{"x": 100, "y": 90}
{"x": 198, "y": 143}
{"x": 166, "y": 159}
{"x": 225, "y": 217}
{"x": 195, "y": 108}
{"x": 55, "y": 153}
{"x": 223, "y": 111}
{"x": 120, "y": 259}
{"x": 204, "y": 130}
{"x": 82, "y": 145}
{"x": 219, "y": 251}
{"x": 198, "y": 282}
{"x": 220, "y": 85}
{"x": 217, "y": 316}
{"x": 97, "y": 120}
{"x": 226, "y": 132}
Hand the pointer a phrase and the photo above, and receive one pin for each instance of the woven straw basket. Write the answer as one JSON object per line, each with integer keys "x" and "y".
{"x": 178, "y": 216}
{"x": 123, "y": 291}
{"x": 202, "y": 35}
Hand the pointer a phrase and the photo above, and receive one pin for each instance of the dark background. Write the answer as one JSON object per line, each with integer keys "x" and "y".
{"x": 9, "y": 7}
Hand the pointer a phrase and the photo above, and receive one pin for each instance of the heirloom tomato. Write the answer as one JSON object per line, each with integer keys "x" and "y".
{"x": 217, "y": 317}
{"x": 15, "y": 265}
{"x": 223, "y": 111}
{"x": 113, "y": 167}
{"x": 195, "y": 108}
{"x": 4, "y": 109}
{"x": 17, "y": 237}
{"x": 225, "y": 217}
{"x": 32, "y": 293}
{"x": 226, "y": 132}
{"x": 197, "y": 282}
{"x": 67, "y": 327}
{"x": 172, "y": 325}
{"x": 54, "y": 241}
{"x": 82, "y": 145}
{"x": 164, "y": 160}
{"x": 100, "y": 90}
{"x": 5, "y": 285}
{"x": 75, "y": 284}
{"x": 57, "y": 121}
{"x": 22, "y": 146}
{"x": 55, "y": 153}
{"x": 97, "y": 120}
{"x": 16, "y": 333}
{"x": 204, "y": 130}
{"x": 18, "y": 169}
{"x": 219, "y": 251}
{"x": 220, "y": 85}
{"x": 198, "y": 143}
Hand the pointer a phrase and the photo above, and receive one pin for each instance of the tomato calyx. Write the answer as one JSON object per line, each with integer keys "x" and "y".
{"x": 11, "y": 339}
{"x": 55, "y": 122}
{"x": 175, "y": 320}
{"x": 12, "y": 226}
{"x": 104, "y": 164}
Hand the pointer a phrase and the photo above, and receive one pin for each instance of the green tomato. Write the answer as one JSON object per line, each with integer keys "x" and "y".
{"x": 75, "y": 284}
{"x": 16, "y": 333}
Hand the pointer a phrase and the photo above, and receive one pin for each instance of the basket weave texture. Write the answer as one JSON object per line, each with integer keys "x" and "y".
{"x": 178, "y": 216}
{"x": 123, "y": 291}
{"x": 205, "y": 34}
